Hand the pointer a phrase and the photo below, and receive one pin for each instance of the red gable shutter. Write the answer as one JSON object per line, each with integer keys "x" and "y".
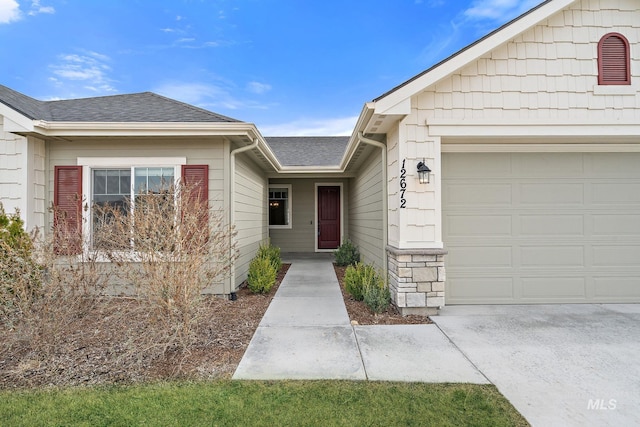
{"x": 67, "y": 201}
{"x": 613, "y": 60}
{"x": 196, "y": 178}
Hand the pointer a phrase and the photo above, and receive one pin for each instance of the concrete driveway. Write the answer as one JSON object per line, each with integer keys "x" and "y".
{"x": 559, "y": 365}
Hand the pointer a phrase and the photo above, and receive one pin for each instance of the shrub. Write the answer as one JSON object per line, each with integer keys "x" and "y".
{"x": 357, "y": 278}
{"x": 347, "y": 254}
{"x": 272, "y": 253}
{"x": 20, "y": 275}
{"x": 363, "y": 283}
{"x": 377, "y": 296}
{"x": 262, "y": 275}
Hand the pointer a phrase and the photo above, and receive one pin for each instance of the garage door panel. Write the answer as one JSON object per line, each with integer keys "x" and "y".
{"x": 546, "y": 224}
{"x": 557, "y": 287}
{"x": 479, "y": 225}
{"x": 616, "y": 255}
{"x": 487, "y": 289}
{"x": 550, "y": 165}
{"x": 568, "y": 232}
{"x": 481, "y": 257}
{"x": 476, "y": 166}
{"x": 617, "y": 287}
{"x": 551, "y": 256}
{"x": 616, "y": 225}
{"x": 551, "y": 193}
{"x": 614, "y": 165}
{"x": 623, "y": 193}
{"x": 479, "y": 194}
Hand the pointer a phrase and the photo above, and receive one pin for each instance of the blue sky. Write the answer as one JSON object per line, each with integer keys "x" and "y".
{"x": 292, "y": 67}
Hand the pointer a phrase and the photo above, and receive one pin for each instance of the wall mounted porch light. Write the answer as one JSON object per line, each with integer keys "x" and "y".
{"x": 423, "y": 172}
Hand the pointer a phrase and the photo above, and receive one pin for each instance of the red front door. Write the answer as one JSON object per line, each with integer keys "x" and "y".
{"x": 328, "y": 217}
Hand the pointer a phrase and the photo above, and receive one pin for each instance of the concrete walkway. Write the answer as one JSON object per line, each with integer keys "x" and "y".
{"x": 306, "y": 334}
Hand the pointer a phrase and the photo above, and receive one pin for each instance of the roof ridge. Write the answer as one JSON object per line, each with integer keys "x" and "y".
{"x": 193, "y": 107}
{"x": 40, "y": 104}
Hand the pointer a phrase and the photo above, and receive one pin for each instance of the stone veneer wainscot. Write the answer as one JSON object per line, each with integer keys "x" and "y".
{"x": 416, "y": 279}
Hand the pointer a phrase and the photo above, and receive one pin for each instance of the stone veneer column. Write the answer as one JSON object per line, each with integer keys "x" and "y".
{"x": 416, "y": 279}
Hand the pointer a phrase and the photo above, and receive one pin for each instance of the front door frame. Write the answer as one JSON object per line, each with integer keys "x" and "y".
{"x": 328, "y": 184}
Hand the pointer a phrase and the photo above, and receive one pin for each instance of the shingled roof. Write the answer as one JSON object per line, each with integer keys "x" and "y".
{"x": 136, "y": 107}
{"x": 308, "y": 150}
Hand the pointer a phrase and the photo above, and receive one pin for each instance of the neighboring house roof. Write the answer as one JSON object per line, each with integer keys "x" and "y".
{"x": 137, "y": 107}
{"x": 308, "y": 150}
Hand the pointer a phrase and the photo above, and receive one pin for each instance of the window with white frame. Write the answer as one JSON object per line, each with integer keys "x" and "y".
{"x": 113, "y": 188}
{"x": 280, "y": 206}
{"x": 123, "y": 183}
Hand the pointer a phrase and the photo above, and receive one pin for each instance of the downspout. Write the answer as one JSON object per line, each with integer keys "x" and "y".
{"x": 232, "y": 198}
{"x": 385, "y": 198}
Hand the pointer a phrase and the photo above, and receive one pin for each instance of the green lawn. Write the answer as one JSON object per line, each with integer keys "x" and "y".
{"x": 257, "y": 403}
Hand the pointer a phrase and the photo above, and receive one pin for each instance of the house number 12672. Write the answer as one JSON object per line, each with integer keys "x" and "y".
{"x": 403, "y": 185}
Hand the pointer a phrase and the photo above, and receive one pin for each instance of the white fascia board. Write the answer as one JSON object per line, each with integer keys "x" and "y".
{"x": 15, "y": 122}
{"x": 471, "y": 54}
{"x": 541, "y": 148}
{"x": 363, "y": 121}
{"x": 310, "y": 169}
{"x": 463, "y": 128}
{"x": 144, "y": 129}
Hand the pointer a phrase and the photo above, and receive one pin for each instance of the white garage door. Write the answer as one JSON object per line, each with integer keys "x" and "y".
{"x": 541, "y": 228}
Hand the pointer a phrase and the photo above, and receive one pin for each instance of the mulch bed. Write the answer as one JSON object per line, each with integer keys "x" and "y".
{"x": 360, "y": 314}
{"x": 95, "y": 347}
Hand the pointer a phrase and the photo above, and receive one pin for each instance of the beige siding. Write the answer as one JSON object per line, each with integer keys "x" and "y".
{"x": 22, "y": 177}
{"x": 548, "y": 72}
{"x": 211, "y": 151}
{"x": 11, "y": 170}
{"x": 301, "y": 236}
{"x": 250, "y": 214}
{"x": 365, "y": 211}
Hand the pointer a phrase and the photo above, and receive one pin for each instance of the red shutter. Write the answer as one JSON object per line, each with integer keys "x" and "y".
{"x": 613, "y": 60}
{"x": 196, "y": 179}
{"x": 67, "y": 202}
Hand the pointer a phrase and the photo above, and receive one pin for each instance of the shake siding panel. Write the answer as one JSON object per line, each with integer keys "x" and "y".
{"x": 564, "y": 60}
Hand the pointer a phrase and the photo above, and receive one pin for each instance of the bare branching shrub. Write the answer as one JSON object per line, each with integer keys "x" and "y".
{"x": 135, "y": 280}
{"x": 169, "y": 247}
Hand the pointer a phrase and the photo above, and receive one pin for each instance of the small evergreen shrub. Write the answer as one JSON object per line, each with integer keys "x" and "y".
{"x": 272, "y": 253}
{"x": 363, "y": 283}
{"x": 346, "y": 254}
{"x": 20, "y": 275}
{"x": 262, "y": 275}
{"x": 357, "y": 278}
{"x": 377, "y": 296}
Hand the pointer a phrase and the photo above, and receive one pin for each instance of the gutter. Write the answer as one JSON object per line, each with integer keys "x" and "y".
{"x": 232, "y": 189}
{"x": 385, "y": 198}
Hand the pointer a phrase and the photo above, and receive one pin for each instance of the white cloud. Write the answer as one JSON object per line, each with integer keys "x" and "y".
{"x": 9, "y": 11}
{"x": 37, "y": 8}
{"x": 84, "y": 72}
{"x": 498, "y": 10}
{"x": 338, "y": 126}
{"x": 258, "y": 88}
{"x": 216, "y": 97}
{"x": 191, "y": 93}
